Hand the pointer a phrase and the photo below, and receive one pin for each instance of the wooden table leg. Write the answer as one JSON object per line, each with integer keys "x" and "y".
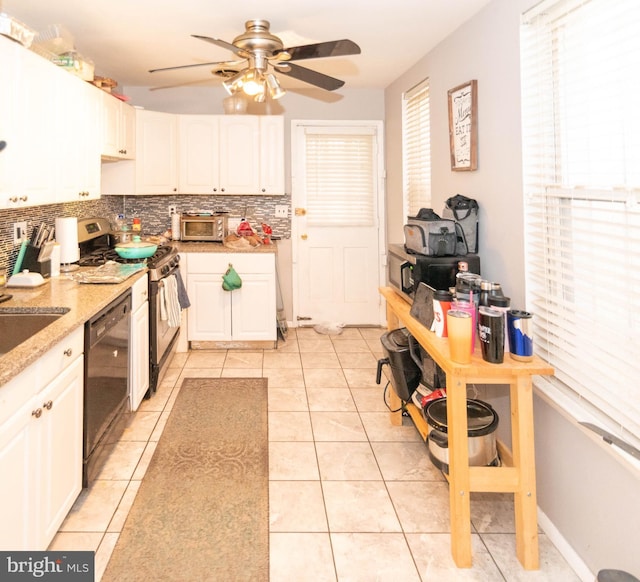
{"x": 459, "y": 486}
{"x": 525, "y": 502}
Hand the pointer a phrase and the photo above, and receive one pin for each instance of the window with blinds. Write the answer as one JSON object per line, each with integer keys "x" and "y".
{"x": 340, "y": 176}
{"x": 416, "y": 149}
{"x": 581, "y": 151}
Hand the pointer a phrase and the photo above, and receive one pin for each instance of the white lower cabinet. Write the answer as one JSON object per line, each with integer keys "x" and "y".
{"x": 245, "y": 314}
{"x": 139, "y": 343}
{"x": 41, "y": 446}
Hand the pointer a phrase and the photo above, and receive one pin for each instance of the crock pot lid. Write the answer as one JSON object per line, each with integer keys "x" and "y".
{"x": 481, "y": 418}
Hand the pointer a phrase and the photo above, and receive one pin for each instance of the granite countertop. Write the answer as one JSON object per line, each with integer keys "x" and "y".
{"x": 83, "y": 301}
{"x": 218, "y": 247}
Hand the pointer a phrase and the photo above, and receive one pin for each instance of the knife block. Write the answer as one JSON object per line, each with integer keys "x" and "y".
{"x": 31, "y": 262}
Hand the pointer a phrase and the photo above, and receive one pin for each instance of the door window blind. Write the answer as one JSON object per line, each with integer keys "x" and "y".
{"x": 581, "y": 152}
{"x": 416, "y": 149}
{"x": 340, "y": 176}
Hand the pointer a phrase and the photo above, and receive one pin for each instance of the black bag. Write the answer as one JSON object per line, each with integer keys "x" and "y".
{"x": 428, "y": 234}
{"x": 465, "y": 212}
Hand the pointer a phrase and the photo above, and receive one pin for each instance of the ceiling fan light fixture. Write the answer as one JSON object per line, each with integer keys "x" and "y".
{"x": 234, "y": 84}
{"x": 275, "y": 91}
{"x": 253, "y": 82}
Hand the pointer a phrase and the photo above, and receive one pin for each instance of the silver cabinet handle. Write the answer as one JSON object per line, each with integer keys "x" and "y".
{"x": 68, "y": 352}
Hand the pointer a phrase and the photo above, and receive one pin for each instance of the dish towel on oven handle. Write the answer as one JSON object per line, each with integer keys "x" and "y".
{"x": 163, "y": 301}
{"x": 172, "y": 303}
{"x": 183, "y": 298}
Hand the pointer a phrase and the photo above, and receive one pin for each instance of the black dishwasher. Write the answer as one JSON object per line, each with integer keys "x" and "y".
{"x": 106, "y": 383}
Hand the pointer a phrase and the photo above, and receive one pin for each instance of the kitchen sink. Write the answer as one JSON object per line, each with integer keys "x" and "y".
{"x": 19, "y": 324}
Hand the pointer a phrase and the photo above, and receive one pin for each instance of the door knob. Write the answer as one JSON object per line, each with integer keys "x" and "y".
{"x": 300, "y": 211}
{"x": 303, "y": 236}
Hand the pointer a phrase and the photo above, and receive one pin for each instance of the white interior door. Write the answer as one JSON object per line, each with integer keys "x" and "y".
{"x": 338, "y": 241}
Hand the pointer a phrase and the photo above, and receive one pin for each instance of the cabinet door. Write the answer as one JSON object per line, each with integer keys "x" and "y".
{"x": 253, "y": 308}
{"x": 37, "y": 128}
{"x": 17, "y": 466}
{"x": 60, "y": 459}
{"x": 10, "y": 159}
{"x": 239, "y": 154}
{"x": 156, "y": 153}
{"x": 198, "y": 154}
{"x": 209, "y": 317}
{"x": 271, "y": 154}
{"x": 127, "y": 132}
{"x": 139, "y": 356}
{"x": 118, "y": 128}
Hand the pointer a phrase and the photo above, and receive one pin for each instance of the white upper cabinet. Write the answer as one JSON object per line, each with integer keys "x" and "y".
{"x": 118, "y": 129}
{"x": 51, "y": 127}
{"x": 198, "y": 154}
{"x": 271, "y": 154}
{"x": 201, "y": 154}
{"x": 78, "y": 178}
{"x": 154, "y": 171}
{"x": 10, "y": 174}
{"x": 239, "y": 154}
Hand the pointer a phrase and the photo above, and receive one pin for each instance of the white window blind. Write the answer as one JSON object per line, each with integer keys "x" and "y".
{"x": 581, "y": 150}
{"x": 340, "y": 176}
{"x": 416, "y": 148}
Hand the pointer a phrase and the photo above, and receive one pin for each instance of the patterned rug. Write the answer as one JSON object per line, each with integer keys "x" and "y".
{"x": 201, "y": 513}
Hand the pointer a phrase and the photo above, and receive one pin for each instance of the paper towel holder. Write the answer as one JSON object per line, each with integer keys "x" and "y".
{"x": 67, "y": 236}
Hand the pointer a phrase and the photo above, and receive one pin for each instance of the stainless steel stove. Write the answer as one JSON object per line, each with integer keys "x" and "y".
{"x": 96, "y": 248}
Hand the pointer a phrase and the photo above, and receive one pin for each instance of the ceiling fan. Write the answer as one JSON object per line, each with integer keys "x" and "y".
{"x": 262, "y": 53}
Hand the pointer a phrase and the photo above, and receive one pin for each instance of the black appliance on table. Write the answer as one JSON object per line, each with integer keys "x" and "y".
{"x": 407, "y": 270}
{"x": 96, "y": 244}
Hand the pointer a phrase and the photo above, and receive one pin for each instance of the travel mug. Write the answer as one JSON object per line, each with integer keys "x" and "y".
{"x": 491, "y": 334}
{"x": 459, "y": 328}
{"x": 520, "y": 329}
{"x": 441, "y": 305}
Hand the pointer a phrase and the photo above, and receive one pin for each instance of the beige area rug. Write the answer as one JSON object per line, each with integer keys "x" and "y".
{"x": 201, "y": 513}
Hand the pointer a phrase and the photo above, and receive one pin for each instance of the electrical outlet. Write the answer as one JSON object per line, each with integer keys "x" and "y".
{"x": 19, "y": 232}
{"x": 282, "y": 211}
{"x": 172, "y": 210}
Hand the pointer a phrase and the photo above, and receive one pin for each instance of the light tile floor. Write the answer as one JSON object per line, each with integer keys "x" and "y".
{"x": 351, "y": 497}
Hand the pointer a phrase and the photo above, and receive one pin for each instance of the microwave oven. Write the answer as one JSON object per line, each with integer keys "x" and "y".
{"x": 407, "y": 270}
{"x": 211, "y": 228}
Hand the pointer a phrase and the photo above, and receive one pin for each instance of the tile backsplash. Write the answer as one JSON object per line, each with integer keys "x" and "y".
{"x": 153, "y": 212}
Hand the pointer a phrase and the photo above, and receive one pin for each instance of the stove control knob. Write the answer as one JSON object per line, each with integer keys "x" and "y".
{"x": 164, "y": 270}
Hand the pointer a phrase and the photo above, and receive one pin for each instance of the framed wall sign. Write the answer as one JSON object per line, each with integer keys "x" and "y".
{"x": 463, "y": 126}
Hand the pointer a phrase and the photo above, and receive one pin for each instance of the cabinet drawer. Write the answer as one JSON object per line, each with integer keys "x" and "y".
{"x": 212, "y": 263}
{"x": 60, "y": 356}
{"x": 139, "y": 292}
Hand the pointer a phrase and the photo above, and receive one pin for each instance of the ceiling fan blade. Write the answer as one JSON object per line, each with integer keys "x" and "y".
{"x": 226, "y": 63}
{"x": 334, "y": 48}
{"x": 308, "y": 76}
{"x": 185, "y": 84}
{"x": 222, "y": 43}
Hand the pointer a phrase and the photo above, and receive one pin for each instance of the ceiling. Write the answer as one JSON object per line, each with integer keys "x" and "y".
{"x": 125, "y": 38}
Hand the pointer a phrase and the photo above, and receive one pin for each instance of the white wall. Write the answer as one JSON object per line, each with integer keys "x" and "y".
{"x": 591, "y": 499}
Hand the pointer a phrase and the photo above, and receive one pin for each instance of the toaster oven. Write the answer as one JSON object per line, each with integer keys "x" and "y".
{"x": 211, "y": 228}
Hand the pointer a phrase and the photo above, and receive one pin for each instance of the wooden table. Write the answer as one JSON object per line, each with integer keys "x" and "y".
{"x": 517, "y": 474}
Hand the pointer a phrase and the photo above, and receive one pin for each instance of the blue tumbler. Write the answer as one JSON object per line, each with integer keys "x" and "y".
{"x": 520, "y": 331}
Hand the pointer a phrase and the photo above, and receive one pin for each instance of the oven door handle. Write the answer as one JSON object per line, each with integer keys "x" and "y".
{"x": 403, "y": 279}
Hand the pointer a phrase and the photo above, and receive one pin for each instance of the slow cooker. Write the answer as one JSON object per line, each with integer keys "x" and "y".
{"x": 482, "y": 422}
